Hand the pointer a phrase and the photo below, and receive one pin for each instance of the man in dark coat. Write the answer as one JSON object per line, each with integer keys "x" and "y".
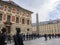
{"x": 18, "y": 38}
{"x": 3, "y": 36}
{"x": 45, "y": 35}
{"x": 49, "y": 36}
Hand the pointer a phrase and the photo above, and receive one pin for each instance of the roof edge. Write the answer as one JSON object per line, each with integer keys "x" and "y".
{"x": 13, "y": 3}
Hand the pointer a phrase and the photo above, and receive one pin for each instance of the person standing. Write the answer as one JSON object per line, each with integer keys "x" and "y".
{"x": 18, "y": 38}
{"x": 45, "y": 37}
{"x": 3, "y": 36}
{"x": 49, "y": 36}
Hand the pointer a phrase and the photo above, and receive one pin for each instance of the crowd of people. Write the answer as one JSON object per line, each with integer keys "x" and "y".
{"x": 4, "y": 37}
{"x": 19, "y": 38}
{"x": 30, "y": 36}
{"x": 51, "y": 36}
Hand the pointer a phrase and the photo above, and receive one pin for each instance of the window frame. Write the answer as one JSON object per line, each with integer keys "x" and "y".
{"x": 9, "y": 9}
{"x": 17, "y": 19}
{"x": 28, "y": 22}
{"x": 1, "y": 16}
{"x": 1, "y": 6}
{"x": 8, "y": 19}
{"x": 23, "y": 21}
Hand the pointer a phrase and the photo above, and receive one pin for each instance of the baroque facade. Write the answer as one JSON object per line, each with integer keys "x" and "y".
{"x": 12, "y": 16}
{"x": 48, "y": 27}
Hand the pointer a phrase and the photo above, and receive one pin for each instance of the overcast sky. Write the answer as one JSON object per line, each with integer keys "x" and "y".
{"x": 47, "y": 9}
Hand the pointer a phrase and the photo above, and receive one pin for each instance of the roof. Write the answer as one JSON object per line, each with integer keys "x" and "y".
{"x": 13, "y": 3}
{"x": 47, "y": 22}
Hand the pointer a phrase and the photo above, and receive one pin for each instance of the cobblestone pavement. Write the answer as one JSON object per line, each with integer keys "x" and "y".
{"x": 41, "y": 41}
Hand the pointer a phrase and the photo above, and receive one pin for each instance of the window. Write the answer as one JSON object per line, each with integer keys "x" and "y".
{"x": 0, "y": 16}
{"x": 17, "y": 11}
{"x": 5, "y": 7}
{"x": 8, "y": 18}
{"x": 9, "y": 9}
{"x": 1, "y": 6}
{"x": 20, "y": 19}
{"x": 28, "y": 22}
{"x": 23, "y": 21}
{"x": 27, "y": 29}
{"x": 17, "y": 19}
{"x": 13, "y": 10}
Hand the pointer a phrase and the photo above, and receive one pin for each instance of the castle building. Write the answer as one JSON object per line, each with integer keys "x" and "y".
{"x": 12, "y": 17}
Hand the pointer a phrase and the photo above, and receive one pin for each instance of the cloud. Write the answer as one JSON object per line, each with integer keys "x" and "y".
{"x": 58, "y": 9}
{"x": 45, "y": 8}
{"x": 44, "y": 11}
{"x": 54, "y": 14}
{"x": 32, "y": 5}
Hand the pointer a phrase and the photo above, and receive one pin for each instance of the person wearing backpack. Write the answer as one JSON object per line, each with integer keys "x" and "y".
{"x": 3, "y": 36}
{"x": 18, "y": 40}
